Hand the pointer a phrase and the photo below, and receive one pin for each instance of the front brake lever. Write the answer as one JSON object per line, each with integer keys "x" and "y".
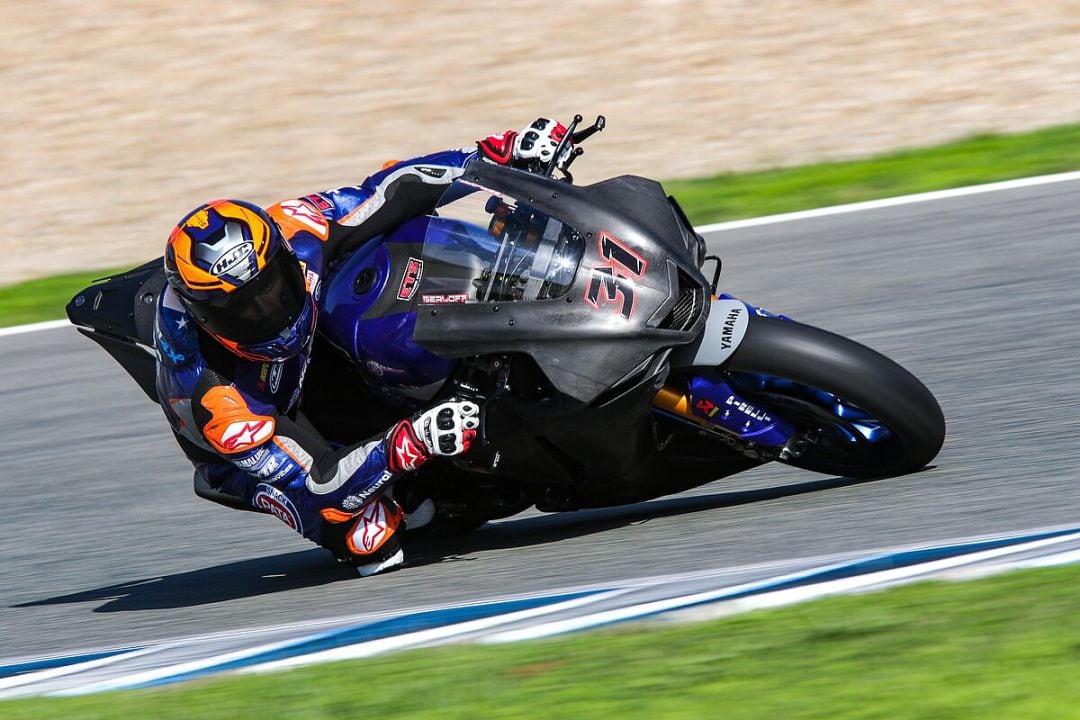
{"x": 588, "y": 132}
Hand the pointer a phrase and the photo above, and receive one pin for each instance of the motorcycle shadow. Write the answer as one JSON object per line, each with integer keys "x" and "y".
{"x": 313, "y": 568}
{"x": 553, "y": 527}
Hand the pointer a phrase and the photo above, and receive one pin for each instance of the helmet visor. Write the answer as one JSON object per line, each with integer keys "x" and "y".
{"x": 261, "y": 308}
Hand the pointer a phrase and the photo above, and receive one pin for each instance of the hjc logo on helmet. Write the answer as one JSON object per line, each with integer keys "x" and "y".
{"x": 232, "y": 259}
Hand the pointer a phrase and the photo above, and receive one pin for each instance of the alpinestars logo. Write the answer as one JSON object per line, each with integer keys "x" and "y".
{"x": 304, "y": 213}
{"x": 406, "y": 453}
{"x": 243, "y": 435}
{"x": 373, "y": 528}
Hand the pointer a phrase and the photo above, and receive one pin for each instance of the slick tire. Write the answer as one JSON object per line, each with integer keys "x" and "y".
{"x": 858, "y": 375}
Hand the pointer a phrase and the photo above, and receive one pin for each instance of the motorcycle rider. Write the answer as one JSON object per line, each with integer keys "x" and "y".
{"x": 234, "y": 330}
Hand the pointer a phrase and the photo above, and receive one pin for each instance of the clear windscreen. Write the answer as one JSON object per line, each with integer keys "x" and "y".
{"x": 487, "y": 247}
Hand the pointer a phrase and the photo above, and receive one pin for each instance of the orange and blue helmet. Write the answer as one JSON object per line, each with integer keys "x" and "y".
{"x": 241, "y": 281}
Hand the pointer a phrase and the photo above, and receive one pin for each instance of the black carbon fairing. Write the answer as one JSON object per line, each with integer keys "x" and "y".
{"x": 637, "y": 290}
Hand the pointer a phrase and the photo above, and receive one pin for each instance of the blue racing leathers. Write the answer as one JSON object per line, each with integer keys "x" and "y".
{"x": 238, "y": 420}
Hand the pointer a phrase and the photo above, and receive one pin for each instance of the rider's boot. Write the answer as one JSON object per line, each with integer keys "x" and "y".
{"x": 371, "y": 539}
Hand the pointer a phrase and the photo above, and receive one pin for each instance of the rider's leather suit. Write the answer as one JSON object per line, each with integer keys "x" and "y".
{"x": 237, "y": 419}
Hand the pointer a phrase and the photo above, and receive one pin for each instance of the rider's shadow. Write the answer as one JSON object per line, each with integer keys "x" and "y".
{"x": 219, "y": 583}
{"x": 314, "y": 567}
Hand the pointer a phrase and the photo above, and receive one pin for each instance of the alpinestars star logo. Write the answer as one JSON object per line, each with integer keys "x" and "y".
{"x": 406, "y": 455}
{"x": 243, "y": 435}
{"x": 373, "y": 528}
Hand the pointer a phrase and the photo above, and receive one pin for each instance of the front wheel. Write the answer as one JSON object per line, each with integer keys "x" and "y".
{"x": 859, "y": 413}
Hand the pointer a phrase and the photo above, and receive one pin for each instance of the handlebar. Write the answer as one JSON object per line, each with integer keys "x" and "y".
{"x": 576, "y": 137}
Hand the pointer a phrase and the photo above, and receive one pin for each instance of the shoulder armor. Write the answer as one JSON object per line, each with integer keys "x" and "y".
{"x": 296, "y": 216}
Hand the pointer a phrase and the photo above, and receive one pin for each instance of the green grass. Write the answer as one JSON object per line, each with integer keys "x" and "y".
{"x": 969, "y": 162}
{"x": 1001, "y": 647}
{"x": 731, "y": 196}
{"x": 45, "y": 298}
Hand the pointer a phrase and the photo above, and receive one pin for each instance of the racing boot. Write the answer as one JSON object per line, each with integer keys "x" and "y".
{"x": 369, "y": 540}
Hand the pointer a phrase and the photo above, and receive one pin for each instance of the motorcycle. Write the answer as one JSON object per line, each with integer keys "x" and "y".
{"x": 608, "y": 367}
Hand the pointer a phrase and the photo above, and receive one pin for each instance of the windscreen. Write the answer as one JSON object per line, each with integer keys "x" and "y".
{"x": 488, "y": 247}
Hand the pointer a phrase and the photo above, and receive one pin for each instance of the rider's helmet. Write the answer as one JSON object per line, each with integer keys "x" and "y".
{"x": 240, "y": 280}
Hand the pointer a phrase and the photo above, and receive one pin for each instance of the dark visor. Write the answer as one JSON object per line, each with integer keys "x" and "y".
{"x": 261, "y": 308}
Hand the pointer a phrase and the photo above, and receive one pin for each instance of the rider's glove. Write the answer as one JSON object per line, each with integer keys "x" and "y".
{"x": 446, "y": 429}
{"x": 533, "y": 146}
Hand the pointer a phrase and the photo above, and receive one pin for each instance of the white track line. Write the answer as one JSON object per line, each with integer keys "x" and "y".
{"x": 34, "y": 327}
{"x": 892, "y": 202}
{"x": 774, "y": 219}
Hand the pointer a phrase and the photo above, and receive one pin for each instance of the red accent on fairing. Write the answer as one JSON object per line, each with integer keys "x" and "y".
{"x": 414, "y": 270}
{"x": 615, "y": 276}
{"x": 499, "y": 148}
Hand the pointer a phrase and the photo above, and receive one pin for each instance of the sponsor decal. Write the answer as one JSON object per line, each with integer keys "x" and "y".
{"x": 320, "y": 201}
{"x": 747, "y": 409}
{"x": 252, "y": 460}
{"x": 275, "y": 377}
{"x": 372, "y": 529}
{"x": 233, "y": 258}
{"x": 282, "y": 473}
{"x": 444, "y": 299}
{"x": 175, "y": 357}
{"x": 727, "y": 335}
{"x": 406, "y": 453}
{"x": 312, "y": 279}
{"x": 260, "y": 463}
{"x": 243, "y": 435}
{"x": 304, "y": 213}
{"x": 264, "y": 371}
{"x": 431, "y": 172}
{"x": 352, "y": 502}
{"x": 706, "y": 407}
{"x": 380, "y": 370}
{"x": 269, "y": 499}
{"x": 612, "y": 281}
{"x": 414, "y": 270}
{"x": 269, "y": 467}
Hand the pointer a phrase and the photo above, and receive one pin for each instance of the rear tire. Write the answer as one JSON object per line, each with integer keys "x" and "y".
{"x": 859, "y": 376}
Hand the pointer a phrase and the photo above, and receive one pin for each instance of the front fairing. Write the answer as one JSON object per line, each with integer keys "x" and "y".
{"x": 636, "y": 290}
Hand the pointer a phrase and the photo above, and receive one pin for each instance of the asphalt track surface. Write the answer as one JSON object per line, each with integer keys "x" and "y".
{"x": 103, "y": 543}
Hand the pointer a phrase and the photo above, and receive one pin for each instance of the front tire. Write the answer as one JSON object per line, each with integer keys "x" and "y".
{"x": 818, "y": 360}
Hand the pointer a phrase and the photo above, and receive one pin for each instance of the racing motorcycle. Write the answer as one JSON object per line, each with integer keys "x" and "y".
{"x": 608, "y": 366}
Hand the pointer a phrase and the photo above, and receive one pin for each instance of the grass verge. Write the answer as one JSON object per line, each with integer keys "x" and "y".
{"x": 731, "y": 196}
{"x": 1006, "y": 646}
{"x": 45, "y": 298}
